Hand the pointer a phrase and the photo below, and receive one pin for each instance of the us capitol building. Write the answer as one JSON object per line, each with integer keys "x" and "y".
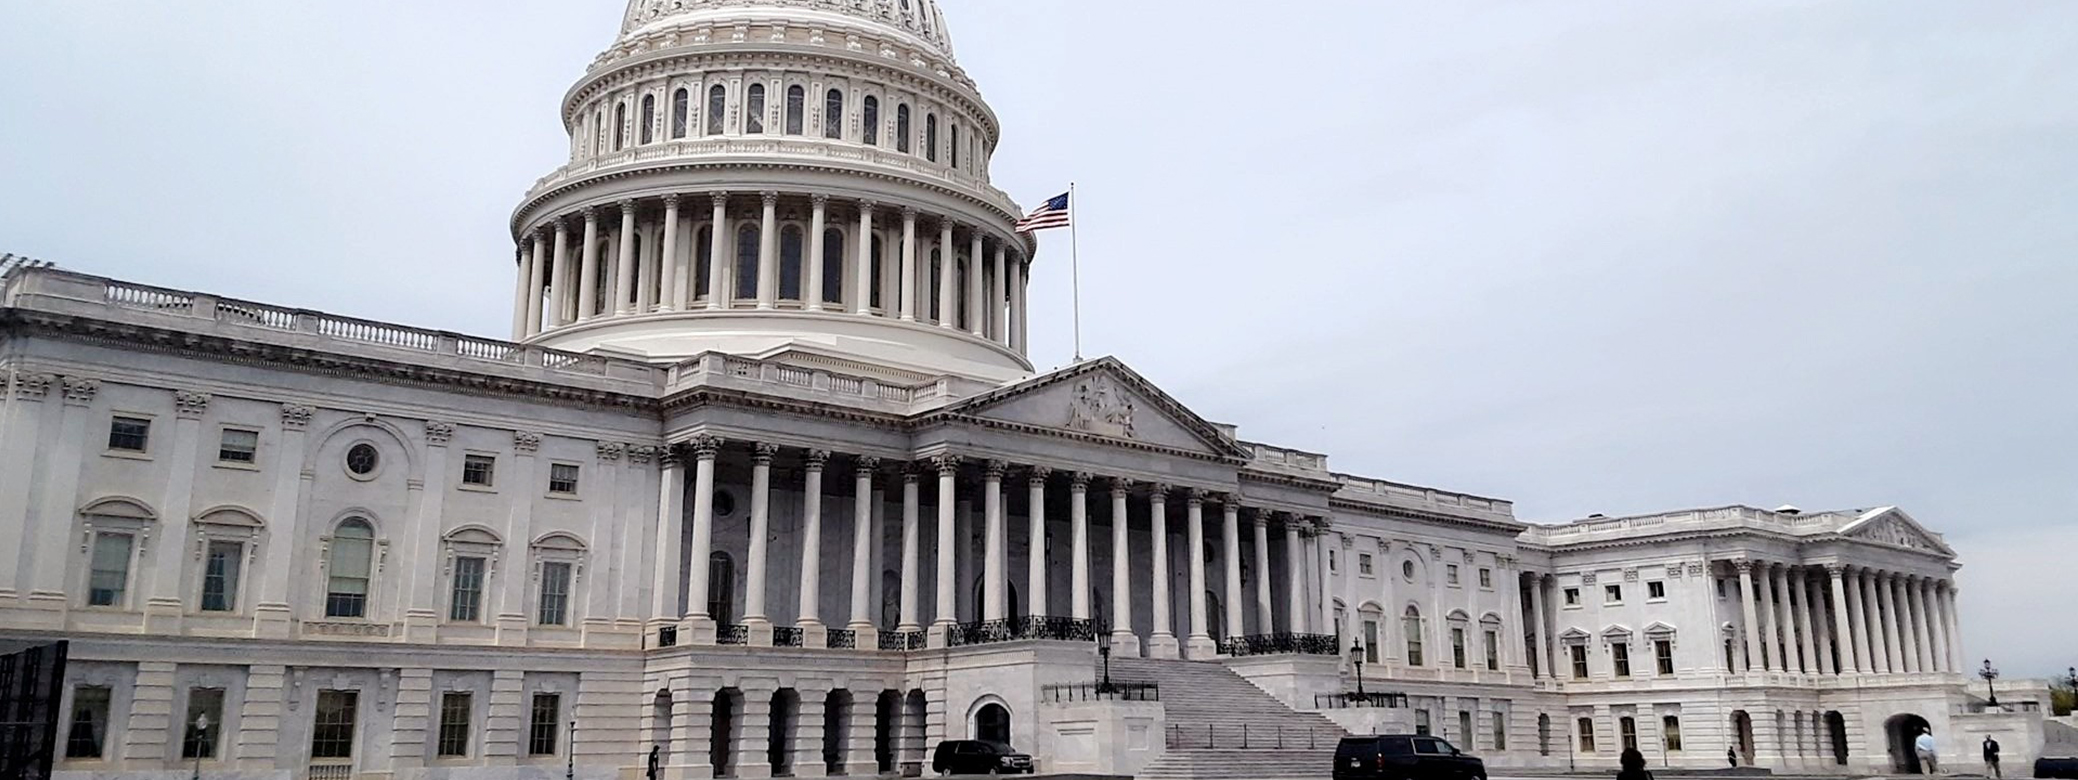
{"x": 764, "y": 484}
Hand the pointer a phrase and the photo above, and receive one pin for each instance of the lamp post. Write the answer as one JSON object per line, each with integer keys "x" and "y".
{"x": 1356, "y": 656}
{"x": 1990, "y": 673}
{"x": 1104, "y": 652}
{"x": 201, "y": 739}
{"x": 570, "y": 752}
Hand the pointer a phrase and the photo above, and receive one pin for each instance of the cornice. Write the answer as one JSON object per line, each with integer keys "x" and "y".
{"x": 1432, "y": 518}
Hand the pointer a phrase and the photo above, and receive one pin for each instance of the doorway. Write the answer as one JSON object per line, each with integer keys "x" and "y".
{"x": 1902, "y": 729}
{"x": 992, "y": 724}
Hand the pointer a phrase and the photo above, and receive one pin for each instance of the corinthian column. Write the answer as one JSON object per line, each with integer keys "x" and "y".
{"x": 754, "y": 615}
{"x": 1936, "y": 628}
{"x": 1201, "y": 646}
{"x": 808, "y": 610}
{"x": 1295, "y": 578}
{"x": 1035, "y": 484}
{"x": 768, "y": 252}
{"x": 1893, "y": 643}
{"x": 996, "y": 329}
{"x": 718, "y": 259}
{"x": 536, "y": 272}
{"x": 588, "y": 283}
{"x": 1841, "y": 624}
{"x": 1079, "y": 538}
{"x": 521, "y": 289}
{"x": 624, "y": 266}
{"x": 948, "y": 493}
{"x": 1231, "y": 530}
{"x": 1750, "y": 611}
{"x": 862, "y": 276}
{"x": 1264, "y": 622}
{"x": 862, "y": 546}
{"x": 699, "y": 623}
{"x": 912, "y": 541}
{"x": 995, "y": 578}
{"x": 908, "y": 281}
{"x": 812, "y": 265}
{"x": 1123, "y": 640}
{"x": 559, "y": 279}
{"x": 948, "y": 276}
{"x": 1161, "y": 643}
{"x": 671, "y": 293}
{"x": 977, "y": 300}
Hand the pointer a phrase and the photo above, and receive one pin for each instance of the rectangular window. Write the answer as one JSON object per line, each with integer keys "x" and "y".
{"x": 1500, "y": 731}
{"x": 1670, "y": 730}
{"x": 238, "y": 446}
{"x": 1363, "y": 564}
{"x": 454, "y": 724}
{"x": 1457, "y": 647}
{"x": 1720, "y": 588}
{"x": 479, "y": 470}
{"x": 555, "y": 593}
{"x": 89, "y": 722}
{"x": 1587, "y": 735}
{"x": 109, "y": 570}
{"x": 1627, "y": 728}
{"x": 1655, "y": 590}
{"x": 1572, "y": 597}
{"x": 1612, "y": 594}
{"x": 1421, "y": 722}
{"x": 1450, "y": 573}
{"x": 1464, "y": 727}
{"x": 562, "y": 478}
{"x": 465, "y": 603}
{"x": 1493, "y": 651}
{"x": 1486, "y": 577}
{"x": 1370, "y": 641}
{"x": 1331, "y": 561}
{"x": 332, "y": 726}
{"x": 129, "y": 434}
{"x": 220, "y": 576}
{"x": 1412, "y": 626}
{"x": 544, "y": 724}
{"x": 1579, "y": 661}
{"x": 1620, "y": 654}
{"x": 1663, "y": 655}
{"x": 200, "y": 742}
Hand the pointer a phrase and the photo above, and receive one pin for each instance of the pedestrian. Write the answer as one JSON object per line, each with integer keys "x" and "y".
{"x": 1924, "y": 745}
{"x": 1991, "y": 755}
{"x": 1632, "y": 765}
{"x": 1732, "y": 757}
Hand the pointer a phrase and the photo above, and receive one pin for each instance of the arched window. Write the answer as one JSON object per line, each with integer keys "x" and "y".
{"x": 703, "y": 257}
{"x": 961, "y": 306}
{"x": 747, "y": 243}
{"x": 953, "y": 128}
{"x": 681, "y": 108}
{"x": 649, "y": 118}
{"x": 717, "y": 105}
{"x": 932, "y": 290}
{"x": 796, "y": 109}
{"x": 902, "y": 128}
{"x": 869, "y": 118}
{"x": 721, "y": 588}
{"x": 347, "y": 568}
{"x": 1411, "y": 624}
{"x": 790, "y": 251}
{"x": 754, "y": 110}
{"x": 992, "y": 723}
{"x": 931, "y": 137}
{"x": 635, "y": 290}
{"x": 620, "y": 126}
{"x": 833, "y": 265}
{"x": 878, "y": 276}
{"x": 833, "y": 114}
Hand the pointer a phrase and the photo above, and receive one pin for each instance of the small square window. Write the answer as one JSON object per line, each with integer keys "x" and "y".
{"x": 1612, "y": 594}
{"x": 1486, "y": 577}
{"x": 129, "y": 434}
{"x": 1363, "y": 564}
{"x": 1572, "y": 597}
{"x": 238, "y": 446}
{"x": 562, "y": 478}
{"x": 479, "y": 470}
{"x": 1450, "y": 573}
{"x": 1655, "y": 590}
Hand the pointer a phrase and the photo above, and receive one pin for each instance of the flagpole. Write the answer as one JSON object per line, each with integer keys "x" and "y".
{"x": 1075, "y": 269}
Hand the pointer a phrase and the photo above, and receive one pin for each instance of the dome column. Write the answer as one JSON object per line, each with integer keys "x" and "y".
{"x": 908, "y": 280}
{"x": 1018, "y": 296}
{"x": 996, "y": 330}
{"x": 977, "y": 297}
{"x": 862, "y": 277}
{"x": 812, "y": 264}
{"x": 535, "y": 272}
{"x": 588, "y": 281}
{"x": 670, "y": 293}
{"x": 624, "y": 267}
{"x": 521, "y": 288}
{"x": 559, "y": 281}
{"x": 948, "y": 276}
{"x": 768, "y": 252}
{"x": 717, "y": 289}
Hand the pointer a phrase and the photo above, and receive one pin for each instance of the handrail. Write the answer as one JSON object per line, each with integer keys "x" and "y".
{"x": 1280, "y": 644}
{"x": 1101, "y": 691}
{"x": 1251, "y": 737}
{"x": 1352, "y": 700}
{"x": 1033, "y": 627}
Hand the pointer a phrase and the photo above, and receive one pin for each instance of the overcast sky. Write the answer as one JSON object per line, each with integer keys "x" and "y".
{"x": 1610, "y": 257}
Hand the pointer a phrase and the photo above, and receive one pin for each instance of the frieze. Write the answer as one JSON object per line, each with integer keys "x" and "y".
{"x": 345, "y": 628}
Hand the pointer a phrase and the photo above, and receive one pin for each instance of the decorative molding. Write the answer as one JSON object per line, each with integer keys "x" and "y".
{"x": 438, "y": 434}
{"x": 762, "y": 454}
{"x": 79, "y": 390}
{"x": 947, "y": 465}
{"x": 641, "y": 454}
{"x": 1037, "y": 475}
{"x": 33, "y": 387}
{"x": 706, "y": 447}
{"x": 1587, "y": 578}
{"x": 527, "y": 443}
{"x": 865, "y": 466}
{"x": 1630, "y": 575}
{"x": 817, "y": 459}
{"x": 610, "y": 451}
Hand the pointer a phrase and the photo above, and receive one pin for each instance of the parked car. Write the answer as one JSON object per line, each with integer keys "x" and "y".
{"x": 2063, "y": 768}
{"x": 979, "y": 757}
{"x": 1404, "y": 757}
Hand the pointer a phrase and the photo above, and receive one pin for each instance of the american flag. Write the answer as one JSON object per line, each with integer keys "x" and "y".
{"x": 1052, "y": 215}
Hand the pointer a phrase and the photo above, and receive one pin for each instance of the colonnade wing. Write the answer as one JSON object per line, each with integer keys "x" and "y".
{"x": 1890, "y": 525}
{"x": 1103, "y": 398}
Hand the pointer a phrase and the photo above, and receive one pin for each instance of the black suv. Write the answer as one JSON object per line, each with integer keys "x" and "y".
{"x": 977, "y": 757}
{"x": 1404, "y": 757}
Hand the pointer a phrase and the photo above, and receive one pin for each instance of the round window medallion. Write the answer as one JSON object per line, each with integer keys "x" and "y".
{"x": 724, "y": 504}
{"x": 1407, "y": 569}
{"x": 361, "y": 459}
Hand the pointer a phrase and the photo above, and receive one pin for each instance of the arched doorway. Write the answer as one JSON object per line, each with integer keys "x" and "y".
{"x": 1742, "y": 736}
{"x": 1012, "y": 608}
{"x": 912, "y": 742}
{"x": 722, "y": 731}
{"x": 887, "y": 717}
{"x": 992, "y": 723}
{"x": 837, "y": 716}
{"x": 779, "y": 740}
{"x": 1902, "y": 729}
{"x": 661, "y": 718}
{"x": 1836, "y": 731}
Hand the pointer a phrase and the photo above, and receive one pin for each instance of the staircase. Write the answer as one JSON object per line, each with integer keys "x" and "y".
{"x": 1222, "y": 726}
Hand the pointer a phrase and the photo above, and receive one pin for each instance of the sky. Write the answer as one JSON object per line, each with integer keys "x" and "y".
{"x": 1617, "y": 258}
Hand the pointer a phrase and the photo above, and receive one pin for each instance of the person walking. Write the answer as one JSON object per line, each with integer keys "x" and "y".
{"x": 1632, "y": 765}
{"x": 1991, "y": 755}
{"x": 1732, "y": 756}
{"x": 1924, "y": 746}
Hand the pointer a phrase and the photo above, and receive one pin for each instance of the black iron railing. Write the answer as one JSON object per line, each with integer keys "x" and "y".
{"x": 902, "y": 640}
{"x": 1059, "y": 628}
{"x": 1047, "y": 628}
{"x": 1343, "y": 701}
{"x": 786, "y": 636}
{"x": 843, "y": 639}
{"x": 1252, "y": 737}
{"x": 1280, "y": 644}
{"x": 667, "y": 636}
{"x": 732, "y": 635}
{"x": 1100, "y": 691}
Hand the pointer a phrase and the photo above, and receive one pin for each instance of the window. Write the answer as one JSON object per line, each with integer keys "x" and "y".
{"x": 1363, "y": 564}
{"x": 703, "y": 259}
{"x": 1579, "y": 653}
{"x": 1331, "y": 561}
{"x": 1486, "y": 577}
{"x": 1407, "y": 569}
{"x": 1412, "y": 625}
{"x": 1572, "y": 597}
{"x": 748, "y": 238}
{"x": 196, "y": 742}
{"x": 902, "y": 128}
{"x": 1670, "y": 732}
{"x": 1587, "y": 735}
{"x": 555, "y": 593}
{"x": 544, "y": 723}
{"x": 649, "y": 119}
{"x": 1612, "y": 594}
{"x": 1421, "y": 722}
{"x": 238, "y": 446}
{"x": 1370, "y": 641}
{"x": 562, "y": 478}
{"x": 1493, "y": 650}
{"x": 833, "y": 265}
{"x": 346, "y": 588}
{"x": 361, "y": 459}
{"x": 833, "y": 114}
{"x": 1457, "y": 647}
{"x": 1663, "y": 655}
{"x": 465, "y": 603}
{"x": 108, "y": 575}
{"x": 869, "y": 121}
{"x": 479, "y": 470}
{"x": 454, "y": 724}
{"x": 1655, "y": 590}
{"x": 796, "y": 109}
{"x": 1627, "y": 731}
{"x": 717, "y": 106}
{"x": 681, "y": 107}
{"x": 1450, "y": 573}
{"x": 220, "y": 576}
{"x": 790, "y": 251}
{"x": 620, "y": 126}
{"x": 1620, "y": 656}
{"x": 931, "y": 137}
{"x": 754, "y": 110}
{"x": 873, "y": 287}
{"x": 89, "y": 722}
{"x": 332, "y": 727}
{"x": 129, "y": 434}
{"x": 1721, "y": 588}
{"x": 952, "y": 130}
{"x": 1500, "y": 731}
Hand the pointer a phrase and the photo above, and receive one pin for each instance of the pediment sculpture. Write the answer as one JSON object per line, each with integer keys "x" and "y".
{"x": 1099, "y": 406}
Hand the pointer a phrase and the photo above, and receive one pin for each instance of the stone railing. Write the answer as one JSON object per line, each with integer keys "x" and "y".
{"x": 1280, "y": 457}
{"x": 1100, "y": 691}
{"x": 786, "y": 636}
{"x": 1352, "y": 699}
{"x": 1584, "y": 530}
{"x": 1366, "y": 488}
{"x": 1280, "y": 644}
{"x": 783, "y": 379}
{"x": 1034, "y": 627}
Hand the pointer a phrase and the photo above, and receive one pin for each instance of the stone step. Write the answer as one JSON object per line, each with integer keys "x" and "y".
{"x": 1241, "y": 765}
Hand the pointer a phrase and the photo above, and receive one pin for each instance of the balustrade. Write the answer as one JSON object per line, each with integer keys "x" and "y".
{"x": 1280, "y": 644}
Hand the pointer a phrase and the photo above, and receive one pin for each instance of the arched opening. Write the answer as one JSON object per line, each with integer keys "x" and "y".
{"x": 931, "y": 137}
{"x": 912, "y": 742}
{"x": 681, "y": 106}
{"x": 796, "y": 109}
{"x": 721, "y": 736}
{"x": 833, "y": 266}
{"x": 348, "y": 570}
{"x": 902, "y": 128}
{"x": 661, "y": 721}
{"x": 620, "y": 126}
{"x": 992, "y": 723}
{"x": 879, "y": 279}
{"x": 936, "y": 280}
{"x": 721, "y": 588}
{"x": 836, "y": 730}
{"x": 833, "y": 114}
{"x": 869, "y": 119}
{"x": 703, "y": 256}
{"x": 1742, "y": 736}
{"x": 717, "y": 107}
{"x": 1543, "y": 735}
{"x": 952, "y": 130}
{"x": 1836, "y": 732}
{"x": 748, "y": 237}
{"x": 1410, "y": 624}
{"x": 1012, "y": 609}
{"x": 754, "y": 110}
{"x": 779, "y": 739}
{"x": 1902, "y": 729}
{"x": 887, "y": 718}
{"x": 649, "y": 118}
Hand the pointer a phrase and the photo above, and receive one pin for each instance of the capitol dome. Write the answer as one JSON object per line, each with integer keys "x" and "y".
{"x": 783, "y": 179}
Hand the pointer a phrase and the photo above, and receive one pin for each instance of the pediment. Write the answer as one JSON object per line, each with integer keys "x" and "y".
{"x": 1102, "y": 399}
{"x": 1893, "y": 527}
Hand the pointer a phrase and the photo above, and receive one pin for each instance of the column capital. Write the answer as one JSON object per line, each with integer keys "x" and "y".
{"x": 1195, "y": 496}
{"x": 1121, "y": 486}
{"x": 438, "y": 434}
{"x": 817, "y": 459}
{"x": 562, "y": 227}
{"x": 1836, "y": 570}
{"x": 1037, "y": 475}
{"x": 190, "y": 405}
{"x": 1157, "y": 491}
{"x": 526, "y": 442}
{"x": 591, "y": 216}
{"x": 627, "y": 207}
{"x": 671, "y": 201}
{"x": 671, "y": 456}
{"x": 296, "y": 417}
{"x": 912, "y": 472}
{"x": 947, "y": 465}
{"x": 908, "y": 213}
{"x": 705, "y": 447}
{"x": 1743, "y": 565}
{"x": 867, "y": 206}
{"x": 609, "y": 451}
{"x": 762, "y": 453}
{"x": 720, "y": 198}
{"x": 79, "y": 390}
{"x": 1080, "y": 480}
{"x": 769, "y": 198}
{"x": 819, "y": 200}
{"x": 865, "y": 465}
{"x": 995, "y": 469}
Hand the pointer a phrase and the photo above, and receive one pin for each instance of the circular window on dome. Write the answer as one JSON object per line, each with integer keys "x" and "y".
{"x": 1407, "y": 569}
{"x": 724, "y": 503}
{"x": 362, "y": 460}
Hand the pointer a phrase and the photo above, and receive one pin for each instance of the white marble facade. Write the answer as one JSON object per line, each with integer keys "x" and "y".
{"x": 804, "y": 480}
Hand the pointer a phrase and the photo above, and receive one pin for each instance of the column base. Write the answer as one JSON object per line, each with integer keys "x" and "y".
{"x": 1200, "y": 647}
{"x": 1125, "y": 643}
{"x": 272, "y": 621}
{"x": 1164, "y": 646}
{"x": 867, "y": 637}
{"x": 814, "y": 635}
{"x": 512, "y": 630}
{"x": 162, "y": 616}
{"x": 758, "y": 632}
{"x": 935, "y": 638}
{"x": 696, "y": 630}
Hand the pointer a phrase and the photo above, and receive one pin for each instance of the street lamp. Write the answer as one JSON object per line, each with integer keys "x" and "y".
{"x": 1990, "y": 673}
{"x": 1104, "y": 652}
{"x": 570, "y": 753}
{"x": 1356, "y": 656}
{"x": 201, "y": 739}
